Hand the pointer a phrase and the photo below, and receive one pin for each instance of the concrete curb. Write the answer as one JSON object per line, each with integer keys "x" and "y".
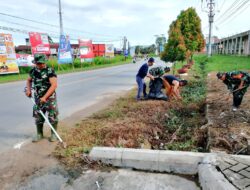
{"x": 178, "y": 162}
{"x": 153, "y": 160}
{"x": 210, "y": 178}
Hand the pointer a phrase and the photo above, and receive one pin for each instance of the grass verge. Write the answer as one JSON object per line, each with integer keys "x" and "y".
{"x": 67, "y": 68}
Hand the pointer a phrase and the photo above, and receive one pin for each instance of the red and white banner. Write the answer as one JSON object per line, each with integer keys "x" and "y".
{"x": 86, "y": 49}
{"x": 39, "y": 43}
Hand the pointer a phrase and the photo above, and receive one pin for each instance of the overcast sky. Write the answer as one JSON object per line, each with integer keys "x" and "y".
{"x": 108, "y": 20}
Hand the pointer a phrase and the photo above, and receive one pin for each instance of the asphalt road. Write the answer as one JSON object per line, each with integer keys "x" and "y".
{"x": 75, "y": 92}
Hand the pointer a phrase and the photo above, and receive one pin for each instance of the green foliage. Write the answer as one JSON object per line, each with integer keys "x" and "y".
{"x": 175, "y": 49}
{"x": 185, "y": 37}
{"x": 145, "y": 50}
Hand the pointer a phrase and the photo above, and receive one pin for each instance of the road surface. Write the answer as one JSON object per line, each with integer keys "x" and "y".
{"x": 75, "y": 92}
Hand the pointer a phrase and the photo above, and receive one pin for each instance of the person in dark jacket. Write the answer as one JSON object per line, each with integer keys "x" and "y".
{"x": 142, "y": 73}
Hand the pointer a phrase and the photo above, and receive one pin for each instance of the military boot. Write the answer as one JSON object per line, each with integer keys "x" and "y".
{"x": 53, "y": 137}
{"x": 39, "y": 136}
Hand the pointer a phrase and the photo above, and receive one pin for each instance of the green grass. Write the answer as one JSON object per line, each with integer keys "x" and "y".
{"x": 224, "y": 62}
{"x": 98, "y": 62}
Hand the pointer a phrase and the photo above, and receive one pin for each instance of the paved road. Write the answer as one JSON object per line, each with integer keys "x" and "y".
{"x": 76, "y": 91}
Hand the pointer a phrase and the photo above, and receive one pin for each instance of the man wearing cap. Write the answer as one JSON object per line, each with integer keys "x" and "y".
{"x": 237, "y": 82}
{"x": 44, "y": 82}
{"x": 142, "y": 73}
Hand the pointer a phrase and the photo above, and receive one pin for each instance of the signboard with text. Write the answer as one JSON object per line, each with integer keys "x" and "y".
{"x": 86, "y": 50}
{"x": 64, "y": 50}
{"x": 109, "y": 50}
{"x": 39, "y": 43}
{"x": 24, "y": 60}
{"x": 7, "y": 55}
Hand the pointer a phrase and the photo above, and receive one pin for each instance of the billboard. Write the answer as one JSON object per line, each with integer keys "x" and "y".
{"x": 86, "y": 50}
{"x": 99, "y": 50}
{"x": 24, "y": 60}
{"x": 39, "y": 43}
{"x": 64, "y": 50}
{"x": 7, "y": 55}
{"x": 109, "y": 50}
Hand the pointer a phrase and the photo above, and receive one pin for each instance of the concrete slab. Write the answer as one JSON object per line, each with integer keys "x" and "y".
{"x": 142, "y": 159}
{"x": 128, "y": 179}
{"x": 179, "y": 162}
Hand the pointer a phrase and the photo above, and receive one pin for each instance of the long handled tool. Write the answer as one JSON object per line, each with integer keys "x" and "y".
{"x": 47, "y": 121}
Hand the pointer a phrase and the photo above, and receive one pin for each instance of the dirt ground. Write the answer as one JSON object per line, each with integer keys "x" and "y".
{"x": 18, "y": 164}
{"x": 228, "y": 131}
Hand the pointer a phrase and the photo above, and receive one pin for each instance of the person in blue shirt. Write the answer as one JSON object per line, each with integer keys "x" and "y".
{"x": 142, "y": 73}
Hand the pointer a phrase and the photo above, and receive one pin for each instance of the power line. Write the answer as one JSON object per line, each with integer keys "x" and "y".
{"x": 22, "y": 31}
{"x": 56, "y": 26}
{"x": 238, "y": 8}
{"x": 229, "y": 9}
{"x": 235, "y": 16}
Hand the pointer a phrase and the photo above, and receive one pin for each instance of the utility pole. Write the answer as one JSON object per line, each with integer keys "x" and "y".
{"x": 60, "y": 18}
{"x": 124, "y": 44}
{"x": 211, "y": 6}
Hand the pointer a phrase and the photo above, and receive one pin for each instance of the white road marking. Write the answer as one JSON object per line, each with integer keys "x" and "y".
{"x": 19, "y": 145}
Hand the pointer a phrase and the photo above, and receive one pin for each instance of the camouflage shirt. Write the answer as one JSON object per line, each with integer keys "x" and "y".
{"x": 157, "y": 71}
{"x": 40, "y": 80}
{"x": 233, "y": 83}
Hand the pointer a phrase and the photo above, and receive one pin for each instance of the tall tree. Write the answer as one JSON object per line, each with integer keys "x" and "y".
{"x": 185, "y": 37}
{"x": 191, "y": 30}
{"x": 175, "y": 49}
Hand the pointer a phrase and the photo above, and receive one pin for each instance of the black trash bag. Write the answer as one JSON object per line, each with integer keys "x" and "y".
{"x": 155, "y": 92}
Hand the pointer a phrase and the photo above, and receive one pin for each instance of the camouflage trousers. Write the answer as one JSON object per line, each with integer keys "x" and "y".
{"x": 238, "y": 96}
{"x": 50, "y": 107}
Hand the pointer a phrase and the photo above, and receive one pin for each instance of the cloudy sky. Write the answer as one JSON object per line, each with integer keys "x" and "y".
{"x": 109, "y": 20}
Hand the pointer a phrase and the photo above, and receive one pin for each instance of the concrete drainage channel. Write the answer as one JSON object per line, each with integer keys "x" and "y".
{"x": 215, "y": 171}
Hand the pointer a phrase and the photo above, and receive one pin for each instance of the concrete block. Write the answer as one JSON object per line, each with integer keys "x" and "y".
{"x": 211, "y": 179}
{"x": 232, "y": 175}
{"x": 143, "y": 159}
{"x": 238, "y": 167}
{"x": 107, "y": 155}
{"x": 179, "y": 162}
{"x": 245, "y": 173}
{"x": 242, "y": 183}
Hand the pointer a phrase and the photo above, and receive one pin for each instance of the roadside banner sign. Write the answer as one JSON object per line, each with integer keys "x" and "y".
{"x": 24, "y": 60}
{"x": 39, "y": 43}
{"x": 7, "y": 55}
{"x": 109, "y": 50}
{"x": 86, "y": 50}
{"x": 64, "y": 50}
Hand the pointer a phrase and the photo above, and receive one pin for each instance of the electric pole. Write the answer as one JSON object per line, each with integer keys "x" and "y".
{"x": 124, "y": 44}
{"x": 60, "y": 18}
{"x": 211, "y": 7}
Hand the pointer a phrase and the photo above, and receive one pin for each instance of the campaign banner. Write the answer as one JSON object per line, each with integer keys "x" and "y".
{"x": 39, "y": 43}
{"x": 86, "y": 50}
{"x": 24, "y": 60}
{"x": 64, "y": 50}
{"x": 7, "y": 55}
{"x": 109, "y": 50}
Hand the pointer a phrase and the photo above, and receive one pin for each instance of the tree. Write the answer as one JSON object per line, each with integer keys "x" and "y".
{"x": 175, "y": 49}
{"x": 191, "y": 30}
{"x": 185, "y": 37}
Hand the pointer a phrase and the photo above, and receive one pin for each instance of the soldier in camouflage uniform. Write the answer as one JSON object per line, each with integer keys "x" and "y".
{"x": 237, "y": 82}
{"x": 44, "y": 82}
